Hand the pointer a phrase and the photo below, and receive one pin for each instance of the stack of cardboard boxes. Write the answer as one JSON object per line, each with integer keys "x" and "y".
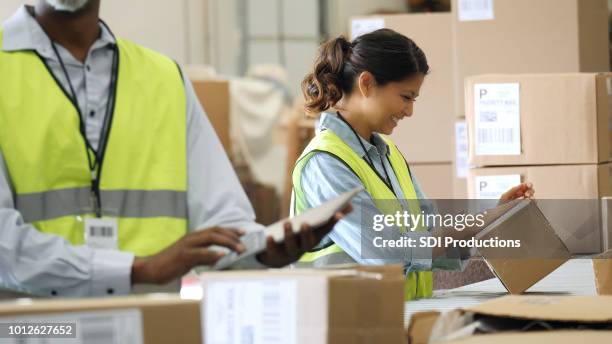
{"x": 550, "y": 128}
{"x": 481, "y": 37}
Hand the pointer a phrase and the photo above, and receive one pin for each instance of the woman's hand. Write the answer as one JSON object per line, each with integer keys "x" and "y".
{"x": 523, "y": 190}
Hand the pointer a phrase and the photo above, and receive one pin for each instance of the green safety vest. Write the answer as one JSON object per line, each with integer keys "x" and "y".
{"x": 418, "y": 284}
{"x": 143, "y": 178}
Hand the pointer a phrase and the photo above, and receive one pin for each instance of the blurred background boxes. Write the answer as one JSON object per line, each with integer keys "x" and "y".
{"x": 525, "y": 36}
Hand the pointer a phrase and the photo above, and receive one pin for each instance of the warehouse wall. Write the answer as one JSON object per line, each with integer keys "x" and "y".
{"x": 175, "y": 28}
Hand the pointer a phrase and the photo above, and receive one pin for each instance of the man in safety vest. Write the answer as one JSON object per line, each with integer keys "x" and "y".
{"x": 109, "y": 168}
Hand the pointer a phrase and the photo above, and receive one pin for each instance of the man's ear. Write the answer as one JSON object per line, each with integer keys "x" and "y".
{"x": 366, "y": 83}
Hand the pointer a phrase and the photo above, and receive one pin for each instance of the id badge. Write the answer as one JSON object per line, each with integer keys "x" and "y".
{"x": 101, "y": 233}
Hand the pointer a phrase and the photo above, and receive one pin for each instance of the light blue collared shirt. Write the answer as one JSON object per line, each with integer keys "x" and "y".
{"x": 325, "y": 177}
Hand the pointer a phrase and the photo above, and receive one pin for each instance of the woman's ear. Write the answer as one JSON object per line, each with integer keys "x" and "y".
{"x": 366, "y": 83}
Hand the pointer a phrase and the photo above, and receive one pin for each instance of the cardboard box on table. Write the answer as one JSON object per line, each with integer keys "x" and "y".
{"x": 524, "y": 319}
{"x": 570, "y": 198}
{"x": 433, "y": 114}
{"x": 525, "y": 36}
{"x": 155, "y": 318}
{"x": 539, "y": 119}
{"x": 353, "y": 305}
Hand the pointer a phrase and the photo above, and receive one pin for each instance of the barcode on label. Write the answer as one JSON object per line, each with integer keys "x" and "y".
{"x": 475, "y": 5}
{"x": 497, "y": 135}
{"x": 101, "y": 231}
{"x": 272, "y": 316}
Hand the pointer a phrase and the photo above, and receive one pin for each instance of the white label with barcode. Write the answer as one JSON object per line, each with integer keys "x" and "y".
{"x": 492, "y": 187}
{"x": 497, "y": 125}
{"x": 250, "y": 312}
{"x": 461, "y": 149}
{"x": 122, "y": 326}
{"x": 362, "y": 26}
{"x": 101, "y": 233}
{"x": 473, "y": 10}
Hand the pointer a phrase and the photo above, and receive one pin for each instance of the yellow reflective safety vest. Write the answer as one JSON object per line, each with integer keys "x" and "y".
{"x": 418, "y": 284}
{"x": 143, "y": 175}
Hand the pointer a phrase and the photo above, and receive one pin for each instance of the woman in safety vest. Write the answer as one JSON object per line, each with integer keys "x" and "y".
{"x": 362, "y": 89}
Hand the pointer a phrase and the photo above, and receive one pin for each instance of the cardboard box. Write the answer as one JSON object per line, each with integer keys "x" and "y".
{"x": 436, "y": 180}
{"x": 155, "y": 318}
{"x": 433, "y": 110}
{"x": 214, "y": 96}
{"x": 559, "y": 119}
{"x": 602, "y": 266}
{"x": 539, "y": 250}
{"x": 569, "y": 197}
{"x": 525, "y": 36}
{"x": 354, "y": 305}
{"x": 525, "y": 319}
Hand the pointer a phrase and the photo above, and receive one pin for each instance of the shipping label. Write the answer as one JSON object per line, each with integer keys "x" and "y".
{"x": 475, "y": 10}
{"x": 254, "y": 312}
{"x": 492, "y": 187}
{"x": 461, "y": 149}
{"x": 362, "y": 26}
{"x": 497, "y": 122}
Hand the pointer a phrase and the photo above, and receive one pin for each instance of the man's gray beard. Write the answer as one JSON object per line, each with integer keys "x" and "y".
{"x": 67, "y": 5}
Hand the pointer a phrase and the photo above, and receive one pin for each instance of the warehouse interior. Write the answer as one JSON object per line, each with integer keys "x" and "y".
{"x": 476, "y": 209}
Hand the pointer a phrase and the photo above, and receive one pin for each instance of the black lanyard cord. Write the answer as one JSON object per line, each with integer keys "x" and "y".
{"x": 367, "y": 156}
{"x": 95, "y": 165}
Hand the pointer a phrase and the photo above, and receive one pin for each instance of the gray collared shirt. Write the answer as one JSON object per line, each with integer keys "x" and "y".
{"x": 44, "y": 264}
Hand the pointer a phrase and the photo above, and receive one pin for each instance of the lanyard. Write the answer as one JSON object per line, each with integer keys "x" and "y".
{"x": 386, "y": 180}
{"x": 95, "y": 166}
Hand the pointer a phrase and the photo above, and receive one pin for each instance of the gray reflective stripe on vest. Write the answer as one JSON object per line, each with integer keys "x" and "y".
{"x": 54, "y": 204}
{"x": 336, "y": 258}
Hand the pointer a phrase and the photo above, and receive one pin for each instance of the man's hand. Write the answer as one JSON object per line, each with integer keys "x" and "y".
{"x": 190, "y": 251}
{"x": 295, "y": 245}
{"x": 523, "y": 190}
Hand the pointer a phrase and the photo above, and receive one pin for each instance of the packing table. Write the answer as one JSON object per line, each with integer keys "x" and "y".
{"x": 574, "y": 277}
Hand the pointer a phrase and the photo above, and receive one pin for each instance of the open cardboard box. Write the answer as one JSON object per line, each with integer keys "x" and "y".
{"x": 540, "y": 252}
{"x": 515, "y": 319}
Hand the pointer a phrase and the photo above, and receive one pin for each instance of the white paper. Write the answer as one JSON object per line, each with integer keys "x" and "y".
{"x": 122, "y": 326}
{"x": 362, "y": 26}
{"x": 474, "y": 10}
{"x": 254, "y": 312}
{"x": 492, "y": 187}
{"x": 461, "y": 149}
{"x": 497, "y": 127}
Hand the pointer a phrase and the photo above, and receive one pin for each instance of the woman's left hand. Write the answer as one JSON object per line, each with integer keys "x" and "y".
{"x": 523, "y": 190}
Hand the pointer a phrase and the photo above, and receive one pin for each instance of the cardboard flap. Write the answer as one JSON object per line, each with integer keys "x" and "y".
{"x": 591, "y": 309}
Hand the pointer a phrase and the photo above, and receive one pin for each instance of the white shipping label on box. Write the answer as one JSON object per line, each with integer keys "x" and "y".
{"x": 497, "y": 119}
{"x": 362, "y": 26}
{"x": 473, "y": 10}
{"x": 492, "y": 187}
{"x": 123, "y": 326}
{"x": 257, "y": 312}
{"x": 461, "y": 149}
